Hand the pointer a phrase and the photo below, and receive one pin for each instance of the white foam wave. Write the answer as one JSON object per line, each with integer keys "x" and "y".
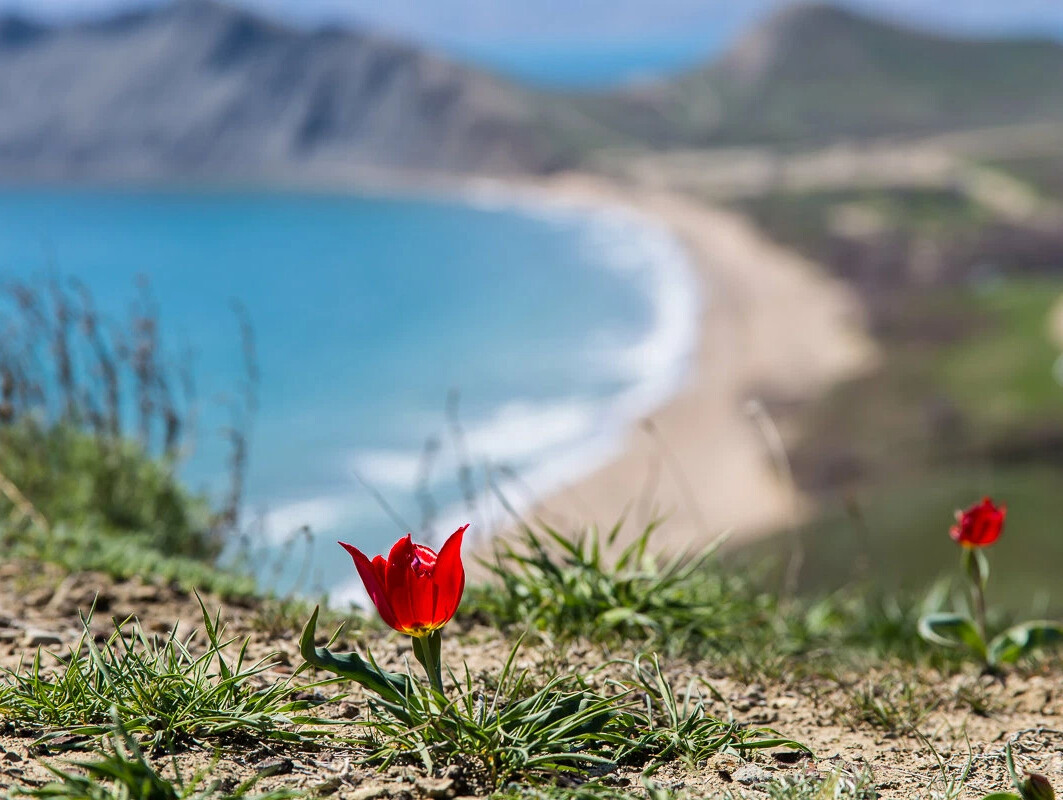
{"x": 398, "y": 468}
{"x": 521, "y": 430}
{"x": 318, "y": 513}
{"x": 643, "y": 250}
{"x": 516, "y": 433}
{"x": 651, "y": 256}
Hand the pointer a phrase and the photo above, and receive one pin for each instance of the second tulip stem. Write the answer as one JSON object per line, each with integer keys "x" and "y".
{"x": 426, "y": 649}
{"x": 977, "y": 571}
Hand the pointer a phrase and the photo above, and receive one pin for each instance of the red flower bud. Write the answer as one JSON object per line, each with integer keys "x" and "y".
{"x": 979, "y": 525}
{"x": 415, "y": 589}
{"x": 1037, "y": 787}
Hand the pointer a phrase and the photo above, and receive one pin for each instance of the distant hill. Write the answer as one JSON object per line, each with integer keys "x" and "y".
{"x": 816, "y": 72}
{"x": 200, "y": 89}
{"x": 197, "y": 89}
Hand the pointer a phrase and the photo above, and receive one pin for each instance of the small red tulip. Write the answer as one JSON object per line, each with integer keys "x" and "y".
{"x": 979, "y": 525}
{"x": 415, "y": 589}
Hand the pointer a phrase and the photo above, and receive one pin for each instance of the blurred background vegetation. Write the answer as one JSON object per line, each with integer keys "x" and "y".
{"x": 95, "y": 422}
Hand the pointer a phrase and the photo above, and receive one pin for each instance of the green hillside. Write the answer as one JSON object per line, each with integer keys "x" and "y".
{"x": 816, "y": 73}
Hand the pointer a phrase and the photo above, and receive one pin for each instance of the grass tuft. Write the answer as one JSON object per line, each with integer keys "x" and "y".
{"x": 592, "y": 790}
{"x": 839, "y": 785}
{"x": 121, "y": 772}
{"x": 893, "y": 704}
{"x": 679, "y": 726}
{"x": 569, "y": 588}
{"x": 160, "y": 690}
{"x": 561, "y": 727}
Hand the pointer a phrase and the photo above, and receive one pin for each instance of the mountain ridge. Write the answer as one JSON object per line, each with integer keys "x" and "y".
{"x": 201, "y": 90}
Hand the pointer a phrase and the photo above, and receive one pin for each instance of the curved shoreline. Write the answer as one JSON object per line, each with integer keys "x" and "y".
{"x": 772, "y": 325}
{"x": 656, "y": 367}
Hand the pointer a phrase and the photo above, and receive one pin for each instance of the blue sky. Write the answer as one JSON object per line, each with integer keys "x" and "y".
{"x": 595, "y": 41}
{"x": 473, "y": 20}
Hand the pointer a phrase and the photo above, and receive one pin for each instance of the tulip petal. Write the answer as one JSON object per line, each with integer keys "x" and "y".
{"x": 379, "y": 569}
{"x": 449, "y": 576}
{"x": 422, "y": 586}
{"x": 426, "y": 555}
{"x": 374, "y": 585}
{"x": 398, "y": 582}
{"x": 423, "y": 594}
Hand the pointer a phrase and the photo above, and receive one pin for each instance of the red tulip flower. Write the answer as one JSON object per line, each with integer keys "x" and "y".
{"x": 415, "y": 589}
{"x": 979, "y": 525}
{"x": 976, "y": 528}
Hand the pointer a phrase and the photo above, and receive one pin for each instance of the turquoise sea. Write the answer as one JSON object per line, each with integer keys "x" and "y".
{"x": 596, "y": 65}
{"x": 555, "y": 326}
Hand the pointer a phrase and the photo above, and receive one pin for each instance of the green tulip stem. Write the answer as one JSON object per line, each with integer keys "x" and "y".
{"x": 978, "y": 572}
{"x": 426, "y": 649}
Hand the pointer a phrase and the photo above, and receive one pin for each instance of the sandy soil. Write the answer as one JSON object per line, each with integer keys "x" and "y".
{"x": 773, "y": 327}
{"x": 964, "y": 720}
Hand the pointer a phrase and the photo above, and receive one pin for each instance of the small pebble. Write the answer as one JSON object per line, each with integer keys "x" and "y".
{"x": 38, "y": 597}
{"x": 436, "y": 787}
{"x": 39, "y": 638}
{"x": 749, "y": 774}
{"x": 368, "y": 793}
{"x": 329, "y": 787}
{"x": 348, "y": 710}
{"x": 273, "y": 766}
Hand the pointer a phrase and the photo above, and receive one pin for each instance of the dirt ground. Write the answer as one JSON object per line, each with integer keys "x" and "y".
{"x": 933, "y": 731}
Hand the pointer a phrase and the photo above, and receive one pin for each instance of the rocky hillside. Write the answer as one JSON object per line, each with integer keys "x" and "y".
{"x": 198, "y": 88}
{"x": 812, "y": 73}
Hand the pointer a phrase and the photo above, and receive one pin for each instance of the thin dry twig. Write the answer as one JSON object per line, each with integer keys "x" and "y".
{"x": 22, "y": 505}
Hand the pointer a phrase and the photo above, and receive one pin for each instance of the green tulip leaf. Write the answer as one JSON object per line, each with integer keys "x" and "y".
{"x": 977, "y": 565}
{"x": 390, "y": 686}
{"x": 952, "y": 630}
{"x": 1002, "y": 796}
{"x": 1021, "y": 640}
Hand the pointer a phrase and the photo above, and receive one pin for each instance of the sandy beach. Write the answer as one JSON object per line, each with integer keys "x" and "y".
{"x": 773, "y": 325}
